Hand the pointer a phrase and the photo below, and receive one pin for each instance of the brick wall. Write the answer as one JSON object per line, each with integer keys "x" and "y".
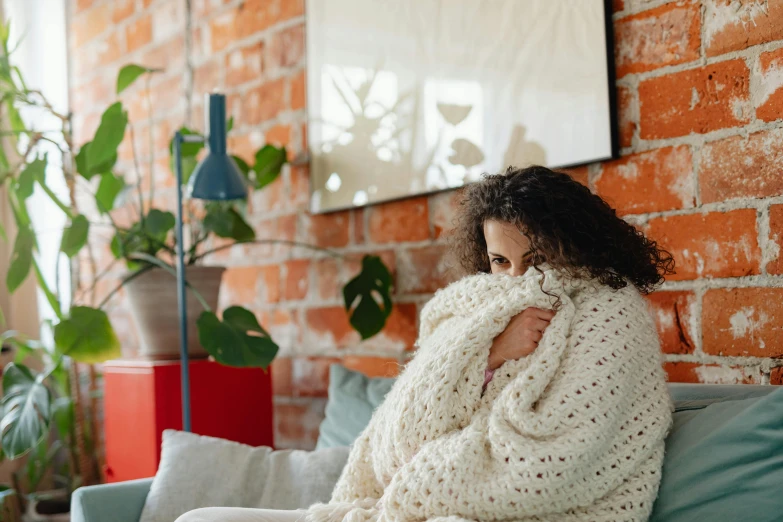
{"x": 700, "y": 89}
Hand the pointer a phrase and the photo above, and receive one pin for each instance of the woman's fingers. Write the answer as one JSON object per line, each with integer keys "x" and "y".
{"x": 546, "y": 315}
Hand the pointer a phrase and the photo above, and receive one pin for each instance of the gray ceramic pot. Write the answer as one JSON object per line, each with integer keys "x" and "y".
{"x": 153, "y": 300}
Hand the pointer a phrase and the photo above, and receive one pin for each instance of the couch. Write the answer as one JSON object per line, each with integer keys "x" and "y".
{"x": 123, "y": 502}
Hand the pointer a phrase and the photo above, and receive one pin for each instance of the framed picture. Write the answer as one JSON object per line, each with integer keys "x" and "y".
{"x": 408, "y": 97}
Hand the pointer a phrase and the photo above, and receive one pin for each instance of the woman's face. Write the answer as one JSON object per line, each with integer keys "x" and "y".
{"x": 507, "y": 248}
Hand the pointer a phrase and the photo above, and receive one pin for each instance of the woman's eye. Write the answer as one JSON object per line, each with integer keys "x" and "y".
{"x": 499, "y": 261}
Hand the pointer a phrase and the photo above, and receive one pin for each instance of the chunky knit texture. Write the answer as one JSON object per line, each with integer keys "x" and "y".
{"x": 573, "y": 432}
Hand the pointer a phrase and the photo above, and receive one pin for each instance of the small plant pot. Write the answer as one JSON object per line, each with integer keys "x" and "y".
{"x": 153, "y": 300}
{"x": 48, "y": 506}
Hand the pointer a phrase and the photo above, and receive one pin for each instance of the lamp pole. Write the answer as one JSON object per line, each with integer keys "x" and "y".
{"x": 182, "y": 304}
{"x": 215, "y": 178}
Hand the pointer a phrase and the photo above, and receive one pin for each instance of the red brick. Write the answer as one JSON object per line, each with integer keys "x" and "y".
{"x": 372, "y": 366}
{"x": 423, "y": 270}
{"x": 710, "y": 373}
{"x": 245, "y": 145}
{"x": 310, "y": 376}
{"x": 261, "y": 103}
{"x": 628, "y": 122}
{"x": 776, "y": 375}
{"x": 443, "y": 210}
{"x": 743, "y": 322}
{"x": 282, "y": 228}
{"x": 666, "y": 35}
{"x": 652, "y": 181}
{"x": 400, "y": 330}
{"x": 271, "y": 198}
{"x": 122, "y": 10}
{"x": 281, "y": 377}
{"x": 299, "y": 197}
{"x": 618, "y": 5}
{"x": 357, "y": 220}
{"x": 207, "y": 77}
{"x": 97, "y": 91}
{"x": 251, "y": 17}
{"x": 257, "y": 15}
{"x": 697, "y": 100}
{"x": 674, "y": 312}
{"x": 328, "y": 328}
{"x": 328, "y": 279}
{"x": 139, "y": 33}
{"x": 110, "y": 49}
{"x": 90, "y": 23}
{"x": 279, "y": 135}
{"x": 284, "y": 326}
{"x": 297, "y": 424}
{"x": 81, "y": 5}
{"x": 161, "y": 55}
{"x": 775, "y": 265}
{"x": 405, "y": 220}
{"x": 328, "y": 230}
{"x": 740, "y": 167}
{"x": 245, "y": 286}
{"x": 579, "y": 174}
{"x": 298, "y": 93}
{"x": 286, "y": 47}
{"x": 770, "y": 105}
{"x": 296, "y": 279}
{"x": 735, "y": 25}
{"x": 710, "y": 245}
{"x": 245, "y": 64}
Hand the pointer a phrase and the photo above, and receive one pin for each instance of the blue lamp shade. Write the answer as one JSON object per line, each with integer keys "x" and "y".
{"x": 217, "y": 176}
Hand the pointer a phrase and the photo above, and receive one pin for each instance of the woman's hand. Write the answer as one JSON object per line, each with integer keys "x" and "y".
{"x": 521, "y": 336}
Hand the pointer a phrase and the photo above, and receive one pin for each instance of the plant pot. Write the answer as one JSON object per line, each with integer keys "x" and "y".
{"x": 48, "y": 506}
{"x": 153, "y": 300}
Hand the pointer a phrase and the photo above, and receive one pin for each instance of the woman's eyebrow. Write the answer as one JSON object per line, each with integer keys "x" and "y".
{"x": 494, "y": 254}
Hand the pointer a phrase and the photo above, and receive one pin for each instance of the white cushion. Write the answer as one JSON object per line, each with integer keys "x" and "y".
{"x": 197, "y": 471}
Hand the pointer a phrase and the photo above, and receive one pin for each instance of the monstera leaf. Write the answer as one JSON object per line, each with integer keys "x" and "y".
{"x": 368, "y": 297}
{"x": 237, "y": 340}
{"x": 87, "y": 336}
{"x": 26, "y": 410}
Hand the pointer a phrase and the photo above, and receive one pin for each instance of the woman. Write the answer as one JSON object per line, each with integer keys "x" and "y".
{"x": 537, "y": 391}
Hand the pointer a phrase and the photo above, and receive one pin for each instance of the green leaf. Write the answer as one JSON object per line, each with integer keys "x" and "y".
{"x": 63, "y": 416}
{"x": 75, "y": 236}
{"x": 44, "y": 287}
{"x": 21, "y": 260}
{"x": 367, "y": 316}
{"x": 188, "y": 149}
{"x": 129, "y": 74}
{"x": 87, "y": 336}
{"x": 229, "y": 124}
{"x": 227, "y": 222}
{"x": 108, "y": 190}
{"x": 34, "y": 171}
{"x": 108, "y": 137}
{"x": 88, "y": 171}
{"x": 26, "y": 409}
{"x": 15, "y": 120}
{"x": 269, "y": 162}
{"x": 158, "y": 224}
{"x": 243, "y": 166}
{"x": 230, "y": 342}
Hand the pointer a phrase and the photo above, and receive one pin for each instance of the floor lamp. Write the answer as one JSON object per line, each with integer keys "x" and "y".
{"x": 215, "y": 178}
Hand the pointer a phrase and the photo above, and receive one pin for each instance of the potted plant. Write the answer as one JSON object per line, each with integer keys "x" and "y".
{"x": 46, "y": 415}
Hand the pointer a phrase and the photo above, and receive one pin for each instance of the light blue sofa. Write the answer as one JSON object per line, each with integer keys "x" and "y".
{"x": 123, "y": 502}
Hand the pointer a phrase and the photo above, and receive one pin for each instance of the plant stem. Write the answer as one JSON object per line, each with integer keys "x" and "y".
{"x": 127, "y": 279}
{"x": 269, "y": 242}
{"x": 152, "y": 139}
{"x": 138, "y": 176}
{"x": 96, "y": 279}
{"x": 56, "y": 200}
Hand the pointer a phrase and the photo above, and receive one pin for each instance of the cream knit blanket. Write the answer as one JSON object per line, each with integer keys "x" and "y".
{"x": 573, "y": 432}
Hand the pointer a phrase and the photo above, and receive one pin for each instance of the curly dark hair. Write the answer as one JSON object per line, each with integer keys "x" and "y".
{"x": 568, "y": 227}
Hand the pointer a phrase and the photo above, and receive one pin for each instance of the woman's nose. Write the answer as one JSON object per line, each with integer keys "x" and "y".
{"x": 517, "y": 270}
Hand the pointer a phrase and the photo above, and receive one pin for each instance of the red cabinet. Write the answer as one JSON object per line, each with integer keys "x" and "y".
{"x": 142, "y": 398}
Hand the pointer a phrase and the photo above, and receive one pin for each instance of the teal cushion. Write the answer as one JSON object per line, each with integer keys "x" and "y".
{"x": 352, "y": 399}
{"x": 724, "y": 462}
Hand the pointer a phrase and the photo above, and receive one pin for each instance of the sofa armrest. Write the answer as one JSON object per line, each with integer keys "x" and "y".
{"x": 118, "y": 502}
